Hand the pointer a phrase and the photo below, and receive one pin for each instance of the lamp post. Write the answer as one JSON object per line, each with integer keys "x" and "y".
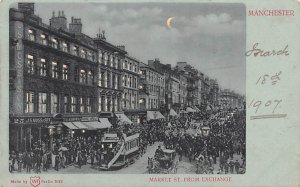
{"x": 51, "y": 132}
{"x": 205, "y": 133}
{"x": 59, "y": 131}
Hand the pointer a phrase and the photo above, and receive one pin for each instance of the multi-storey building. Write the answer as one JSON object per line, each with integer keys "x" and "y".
{"x": 110, "y": 86}
{"x": 60, "y": 78}
{"x": 182, "y": 90}
{"x": 152, "y": 85}
{"x": 152, "y": 90}
{"x": 131, "y": 82}
{"x": 214, "y": 92}
{"x": 194, "y": 83}
{"x": 230, "y": 99}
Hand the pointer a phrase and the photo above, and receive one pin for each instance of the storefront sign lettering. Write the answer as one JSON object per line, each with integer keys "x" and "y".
{"x": 31, "y": 120}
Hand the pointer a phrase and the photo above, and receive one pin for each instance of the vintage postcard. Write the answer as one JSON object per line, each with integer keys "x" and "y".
{"x": 150, "y": 93}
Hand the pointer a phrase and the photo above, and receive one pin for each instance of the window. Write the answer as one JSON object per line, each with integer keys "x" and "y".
{"x": 81, "y": 105}
{"x": 82, "y": 76}
{"x": 54, "y": 103}
{"x": 29, "y": 102}
{"x": 101, "y": 78}
{"x": 83, "y": 53}
{"x": 130, "y": 82}
{"x": 130, "y": 66}
{"x": 66, "y": 104}
{"x": 113, "y": 81}
{"x": 44, "y": 39}
{"x": 125, "y": 80}
{"x": 135, "y": 83}
{"x": 31, "y": 34}
{"x": 105, "y": 58}
{"x": 99, "y": 104}
{"x": 42, "y": 103}
{"x": 54, "y": 43}
{"x": 100, "y": 57}
{"x": 30, "y": 64}
{"x": 65, "y": 72}
{"x": 90, "y": 56}
{"x": 43, "y": 67}
{"x": 108, "y": 80}
{"x": 125, "y": 100}
{"x": 65, "y": 47}
{"x": 90, "y": 78}
{"x": 76, "y": 50}
{"x": 73, "y": 104}
{"x": 135, "y": 68}
{"x": 111, "y": 60}
{"x": 54, "y": 69}
{"x": 88, "y": 105}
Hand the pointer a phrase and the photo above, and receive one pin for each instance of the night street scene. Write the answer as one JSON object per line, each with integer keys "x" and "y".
{"x": 127, "y": 88}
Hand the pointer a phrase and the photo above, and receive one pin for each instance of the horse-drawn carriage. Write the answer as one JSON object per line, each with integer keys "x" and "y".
{"x": 164, "y": 164}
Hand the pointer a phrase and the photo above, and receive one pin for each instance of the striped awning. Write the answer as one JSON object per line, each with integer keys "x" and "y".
{"x": 80, "y": 125}
{"x": 123, "y": 118}
{"x": 70, "y": 125}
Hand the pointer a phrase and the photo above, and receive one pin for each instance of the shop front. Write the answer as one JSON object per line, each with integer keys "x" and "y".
{"x": 29, "y": 132}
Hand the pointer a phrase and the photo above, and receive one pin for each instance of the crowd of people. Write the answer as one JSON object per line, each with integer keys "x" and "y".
{"x": 226, "y": 138}
{"x": 183, "y": 134}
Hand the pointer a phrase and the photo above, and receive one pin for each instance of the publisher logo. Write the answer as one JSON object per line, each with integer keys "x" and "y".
{"x": 35, "y": 181}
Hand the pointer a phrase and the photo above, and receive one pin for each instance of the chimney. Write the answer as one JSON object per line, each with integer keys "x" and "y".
{"x": 27, "y": 8}
{"x": 75, "y": 26}
{"x": 59, "y": 22}
{"x": 122, "y": 47}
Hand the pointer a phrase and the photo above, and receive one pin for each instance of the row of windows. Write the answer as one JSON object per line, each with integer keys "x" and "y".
{"x": 109, "y": 60}
{"x": 152, "y": 77}
{"x": 108, "y": 104}
{"x": 130, "y": 100}
{"x": 39, "y": 102}
{"x": 148, "y": 104}
{"x": 59, "y": 44}
{"x": 35, "y": 67}
{"x": 129, "y": 81}
{"x": 130, "y": 66}
{"x": 109, "y": 80}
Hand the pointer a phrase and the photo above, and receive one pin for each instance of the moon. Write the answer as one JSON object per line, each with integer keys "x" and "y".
{"x": 169, "y": 20}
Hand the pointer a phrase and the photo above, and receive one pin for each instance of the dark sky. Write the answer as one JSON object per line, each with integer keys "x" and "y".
{"x": 209, "y": 36}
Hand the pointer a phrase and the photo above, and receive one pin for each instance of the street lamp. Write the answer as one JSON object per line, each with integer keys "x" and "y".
{"x": 205, "y": 131}
{"x": 51, "y": 132}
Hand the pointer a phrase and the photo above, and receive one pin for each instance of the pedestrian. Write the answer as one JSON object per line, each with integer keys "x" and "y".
{"x": 79, "y": 159}
{"x": 237, "y": 166}
{"x": 28, "y": 162}
{"x": 57, "y": 162}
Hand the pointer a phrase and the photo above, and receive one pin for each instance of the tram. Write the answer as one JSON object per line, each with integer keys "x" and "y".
{"x": 119, "y": 151}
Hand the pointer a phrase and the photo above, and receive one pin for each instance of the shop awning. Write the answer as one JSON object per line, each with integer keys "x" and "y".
{"x": 190, "y": 110}
{"x": 69, "y": 125}
{"x": 80, "y": 125}
{"x": 154, "y": 115}
{"x": 123, "y": 118}
{"x": 197, "y": 109}
{"x": 95, "y": 125}
{"x": 209, "y": 107}
{"x": 105, "y": 123}
{"x": 172, "y": 112}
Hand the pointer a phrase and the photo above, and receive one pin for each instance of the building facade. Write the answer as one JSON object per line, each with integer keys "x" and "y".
{"x": 59, "y": 75}
{"x": 131, "y": 82}
{"x": 230, "y": 99}
{"x": 152, "y": 88}
{"x": 194, "y": 83}
{"x": 51, "y": 72}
